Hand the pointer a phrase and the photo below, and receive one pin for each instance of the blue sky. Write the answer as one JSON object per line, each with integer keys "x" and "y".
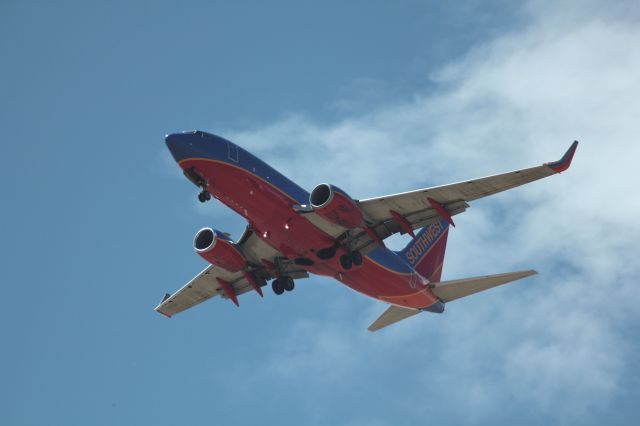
{"x": 376, "y": 97}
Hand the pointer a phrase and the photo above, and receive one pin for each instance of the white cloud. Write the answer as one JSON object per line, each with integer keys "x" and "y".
{"x": 554, "y": 342}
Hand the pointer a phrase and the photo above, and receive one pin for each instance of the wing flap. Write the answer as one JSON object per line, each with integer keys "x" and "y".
{"x": 452, "y": 290}
{"x": 392, "y": 315}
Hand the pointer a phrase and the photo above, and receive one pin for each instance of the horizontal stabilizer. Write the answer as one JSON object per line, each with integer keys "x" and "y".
{"x": 452, "y": 290}
{"x": 391, "y": 316}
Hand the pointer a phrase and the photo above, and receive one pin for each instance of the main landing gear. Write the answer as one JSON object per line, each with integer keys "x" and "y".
{"x": 279, "y": 285}
{"x": 348, "y": 260}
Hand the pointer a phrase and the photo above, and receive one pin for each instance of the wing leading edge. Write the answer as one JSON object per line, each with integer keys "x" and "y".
{"x": 419, "y": 209}
{"x": 214, "y": 281}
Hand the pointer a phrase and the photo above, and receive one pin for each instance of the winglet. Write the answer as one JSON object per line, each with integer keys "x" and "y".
{"x": 564, "y": 163}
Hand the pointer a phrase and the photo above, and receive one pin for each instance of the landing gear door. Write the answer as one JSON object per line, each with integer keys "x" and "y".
{"x": 232, "y": 150}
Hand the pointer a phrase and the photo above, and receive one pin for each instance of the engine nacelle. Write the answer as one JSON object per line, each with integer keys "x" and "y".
{"x": 218, "y": 249}
{"x": 335, "y": 206}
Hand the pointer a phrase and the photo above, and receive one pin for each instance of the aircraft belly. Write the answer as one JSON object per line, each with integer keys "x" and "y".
{"x": 271, "y": 214}
{"x": 380, "y": 283}
{"x": 268, "y": 210}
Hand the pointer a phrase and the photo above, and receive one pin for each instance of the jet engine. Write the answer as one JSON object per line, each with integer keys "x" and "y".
{"x": 335, "y": 206}
{"x": 218, "y": 249}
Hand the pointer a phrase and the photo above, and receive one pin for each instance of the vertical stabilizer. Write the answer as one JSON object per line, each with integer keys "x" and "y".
{"x": 425, "y": 253}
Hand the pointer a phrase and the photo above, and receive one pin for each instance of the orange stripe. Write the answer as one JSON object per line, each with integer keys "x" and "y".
{"x": 240, "y": 168}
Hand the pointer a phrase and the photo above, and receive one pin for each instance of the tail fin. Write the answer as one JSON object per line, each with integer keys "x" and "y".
{"x": 425, "y": 253}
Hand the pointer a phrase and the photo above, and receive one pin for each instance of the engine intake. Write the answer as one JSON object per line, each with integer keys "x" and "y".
{"x": 335, "y": 206}
{"x": 217, "y": 249}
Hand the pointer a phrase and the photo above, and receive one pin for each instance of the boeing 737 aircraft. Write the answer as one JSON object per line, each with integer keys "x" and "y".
{"x": 292, "y": 233}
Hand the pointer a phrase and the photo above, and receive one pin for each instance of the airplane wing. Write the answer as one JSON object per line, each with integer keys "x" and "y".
{"x": 212, "y": 280}
{"x": 419, "y": 208}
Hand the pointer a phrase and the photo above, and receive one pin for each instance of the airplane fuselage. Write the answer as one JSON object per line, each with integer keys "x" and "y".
{"x": 266, "y": 199}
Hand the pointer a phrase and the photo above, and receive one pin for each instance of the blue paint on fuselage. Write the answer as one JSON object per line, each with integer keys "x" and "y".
{"x": 198, "y": 144}
{"x": 390, "y": 260}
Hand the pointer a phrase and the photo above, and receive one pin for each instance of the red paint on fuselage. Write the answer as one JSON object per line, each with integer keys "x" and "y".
{"x": 271, "y": 215}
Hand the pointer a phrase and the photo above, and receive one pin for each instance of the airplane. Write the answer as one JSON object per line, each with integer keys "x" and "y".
{"x": 292, "y": 233}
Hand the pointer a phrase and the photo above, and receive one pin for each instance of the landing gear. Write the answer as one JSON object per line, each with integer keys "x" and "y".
{"x": 348, "y": 260}
{"x": 196, "y": 178}
{"x": 356, "y": 257}
{"x": 204, "y": 196}
{"x": 279, "y": 285}
{"x": 288, "y": 283}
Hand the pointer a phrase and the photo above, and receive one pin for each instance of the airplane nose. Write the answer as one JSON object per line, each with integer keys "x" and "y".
{"x": 182, "y": 145}
{"x": 199, "y": 144}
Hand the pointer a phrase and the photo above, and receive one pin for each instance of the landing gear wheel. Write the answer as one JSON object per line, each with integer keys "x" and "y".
{"x": 346, "y": 262}
{"x": 278, "y": 286}
{"x": 288, "y": 283}
{"x": 356, "y": 257}
{"x": 204, "y": 196}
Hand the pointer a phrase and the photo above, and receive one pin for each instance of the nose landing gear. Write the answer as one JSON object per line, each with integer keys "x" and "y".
{"x": 204, "y": 196}
{"x": 198, "y": 180}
